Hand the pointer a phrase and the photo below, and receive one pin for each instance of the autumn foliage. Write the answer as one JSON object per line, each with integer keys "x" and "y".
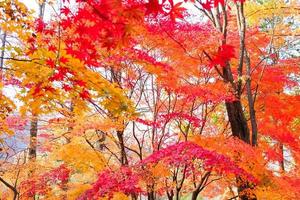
{"x": 150, "y": 99}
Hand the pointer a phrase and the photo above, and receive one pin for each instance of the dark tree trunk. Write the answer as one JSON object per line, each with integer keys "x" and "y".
{"x": 282, "y": 164}
{"x": 238, "y": 121}
{"x": 11, "y": 187}
{"x": 236, "y": 117}
{"x": 177, "y": 194}
{"x": 201, "y": 185}
{"x": 124, "y": 160}
{"x": 134, "y": 196}
{"x": 170, "y": 195}
{"x": 151, "y": 195}
{"x": 254, "y": 128}
{"x": 195, "y": 195}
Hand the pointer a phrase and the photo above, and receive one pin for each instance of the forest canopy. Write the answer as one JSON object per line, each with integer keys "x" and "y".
{"x": 150, "y": 99}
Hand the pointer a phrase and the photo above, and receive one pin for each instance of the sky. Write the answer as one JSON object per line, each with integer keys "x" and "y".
{"x": 31, "y": 4}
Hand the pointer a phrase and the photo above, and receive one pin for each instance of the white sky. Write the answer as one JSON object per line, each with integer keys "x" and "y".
{"x": 31, "y": 4}
{"x": 34, "y": 5}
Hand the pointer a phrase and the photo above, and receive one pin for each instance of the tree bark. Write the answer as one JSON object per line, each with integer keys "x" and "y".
{"x": 33, "y": 138}
{"x": 195, "y": 195}
{"x": 42, "y": 9}
{"x": 200, "y": 186}
{"x": 3, "y": 51}
{"x": 124, "y": 160}
{"x": 238, "y": 121}
{"x": 244, "y": 187}
{"x": 254, "y": 128}
{"x": 236, "y": 117}
{"x": 151, "y": 195}
{"x": 170, "y": 195}
{"x": 282, "y": 164}
{"x": 14, "y": 190}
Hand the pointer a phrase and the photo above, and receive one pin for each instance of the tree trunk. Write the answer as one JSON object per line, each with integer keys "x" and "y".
{"x": 170, "y": 195}
{"x": 3, "y": 51}
{"x": 238, "y": 121}
{"x": 244, "y": 187}
{"x": 11, "y": 187}
{"x": 33, "y": 144}
{"x": 33, "y": 138}
{"x": 151, "y": 195}
{"x": 234, "y": 109}
{"x": 282, "y": 164}
{"x": 254, "y": 129}
{"x": 124, "y": 160}
{"x": 42, "y": 9}
{"x": 177, "y": 194}
{"x": 195, "y": 195}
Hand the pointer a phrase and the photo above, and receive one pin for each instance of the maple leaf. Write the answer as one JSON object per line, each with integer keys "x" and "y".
{"x": 65, "y": 10}
{"x": 217, "y": 2}
{"x": 40, "y": 25}
{"x": 224, "y": 54}
{"x": 50, "y": 62}
{"x": 84, "y": 94}
{"x": 63, "y": 60}
{"x": 79, "y": 82}
{"x": 66, "y": 87}
{"x": 52, "y": 48}
{"x": 207, "y": 5}
{"x": 176, "y": 11}
{"x": 37, "y": 89}
{"x": 153, "y": 7}
{"x": 59, "y": 75}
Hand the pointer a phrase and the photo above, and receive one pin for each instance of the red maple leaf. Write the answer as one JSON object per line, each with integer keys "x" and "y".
{"x": 66, "y": 87}
{"x": 52, "y": 48}
{"x": 65, "y": 10}
{"x": 177, "y": 11}
{"x": 224, "y": 54}
{"x": 40, "y": 25}
{"x": 80, "y": 83}
{"x": 84, "y": 94}
{"x": 63, "y": 60}
{"x": 50, "y": 62}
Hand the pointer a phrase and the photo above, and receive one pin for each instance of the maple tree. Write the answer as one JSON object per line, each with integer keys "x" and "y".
{"x": 150, "y": 99}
